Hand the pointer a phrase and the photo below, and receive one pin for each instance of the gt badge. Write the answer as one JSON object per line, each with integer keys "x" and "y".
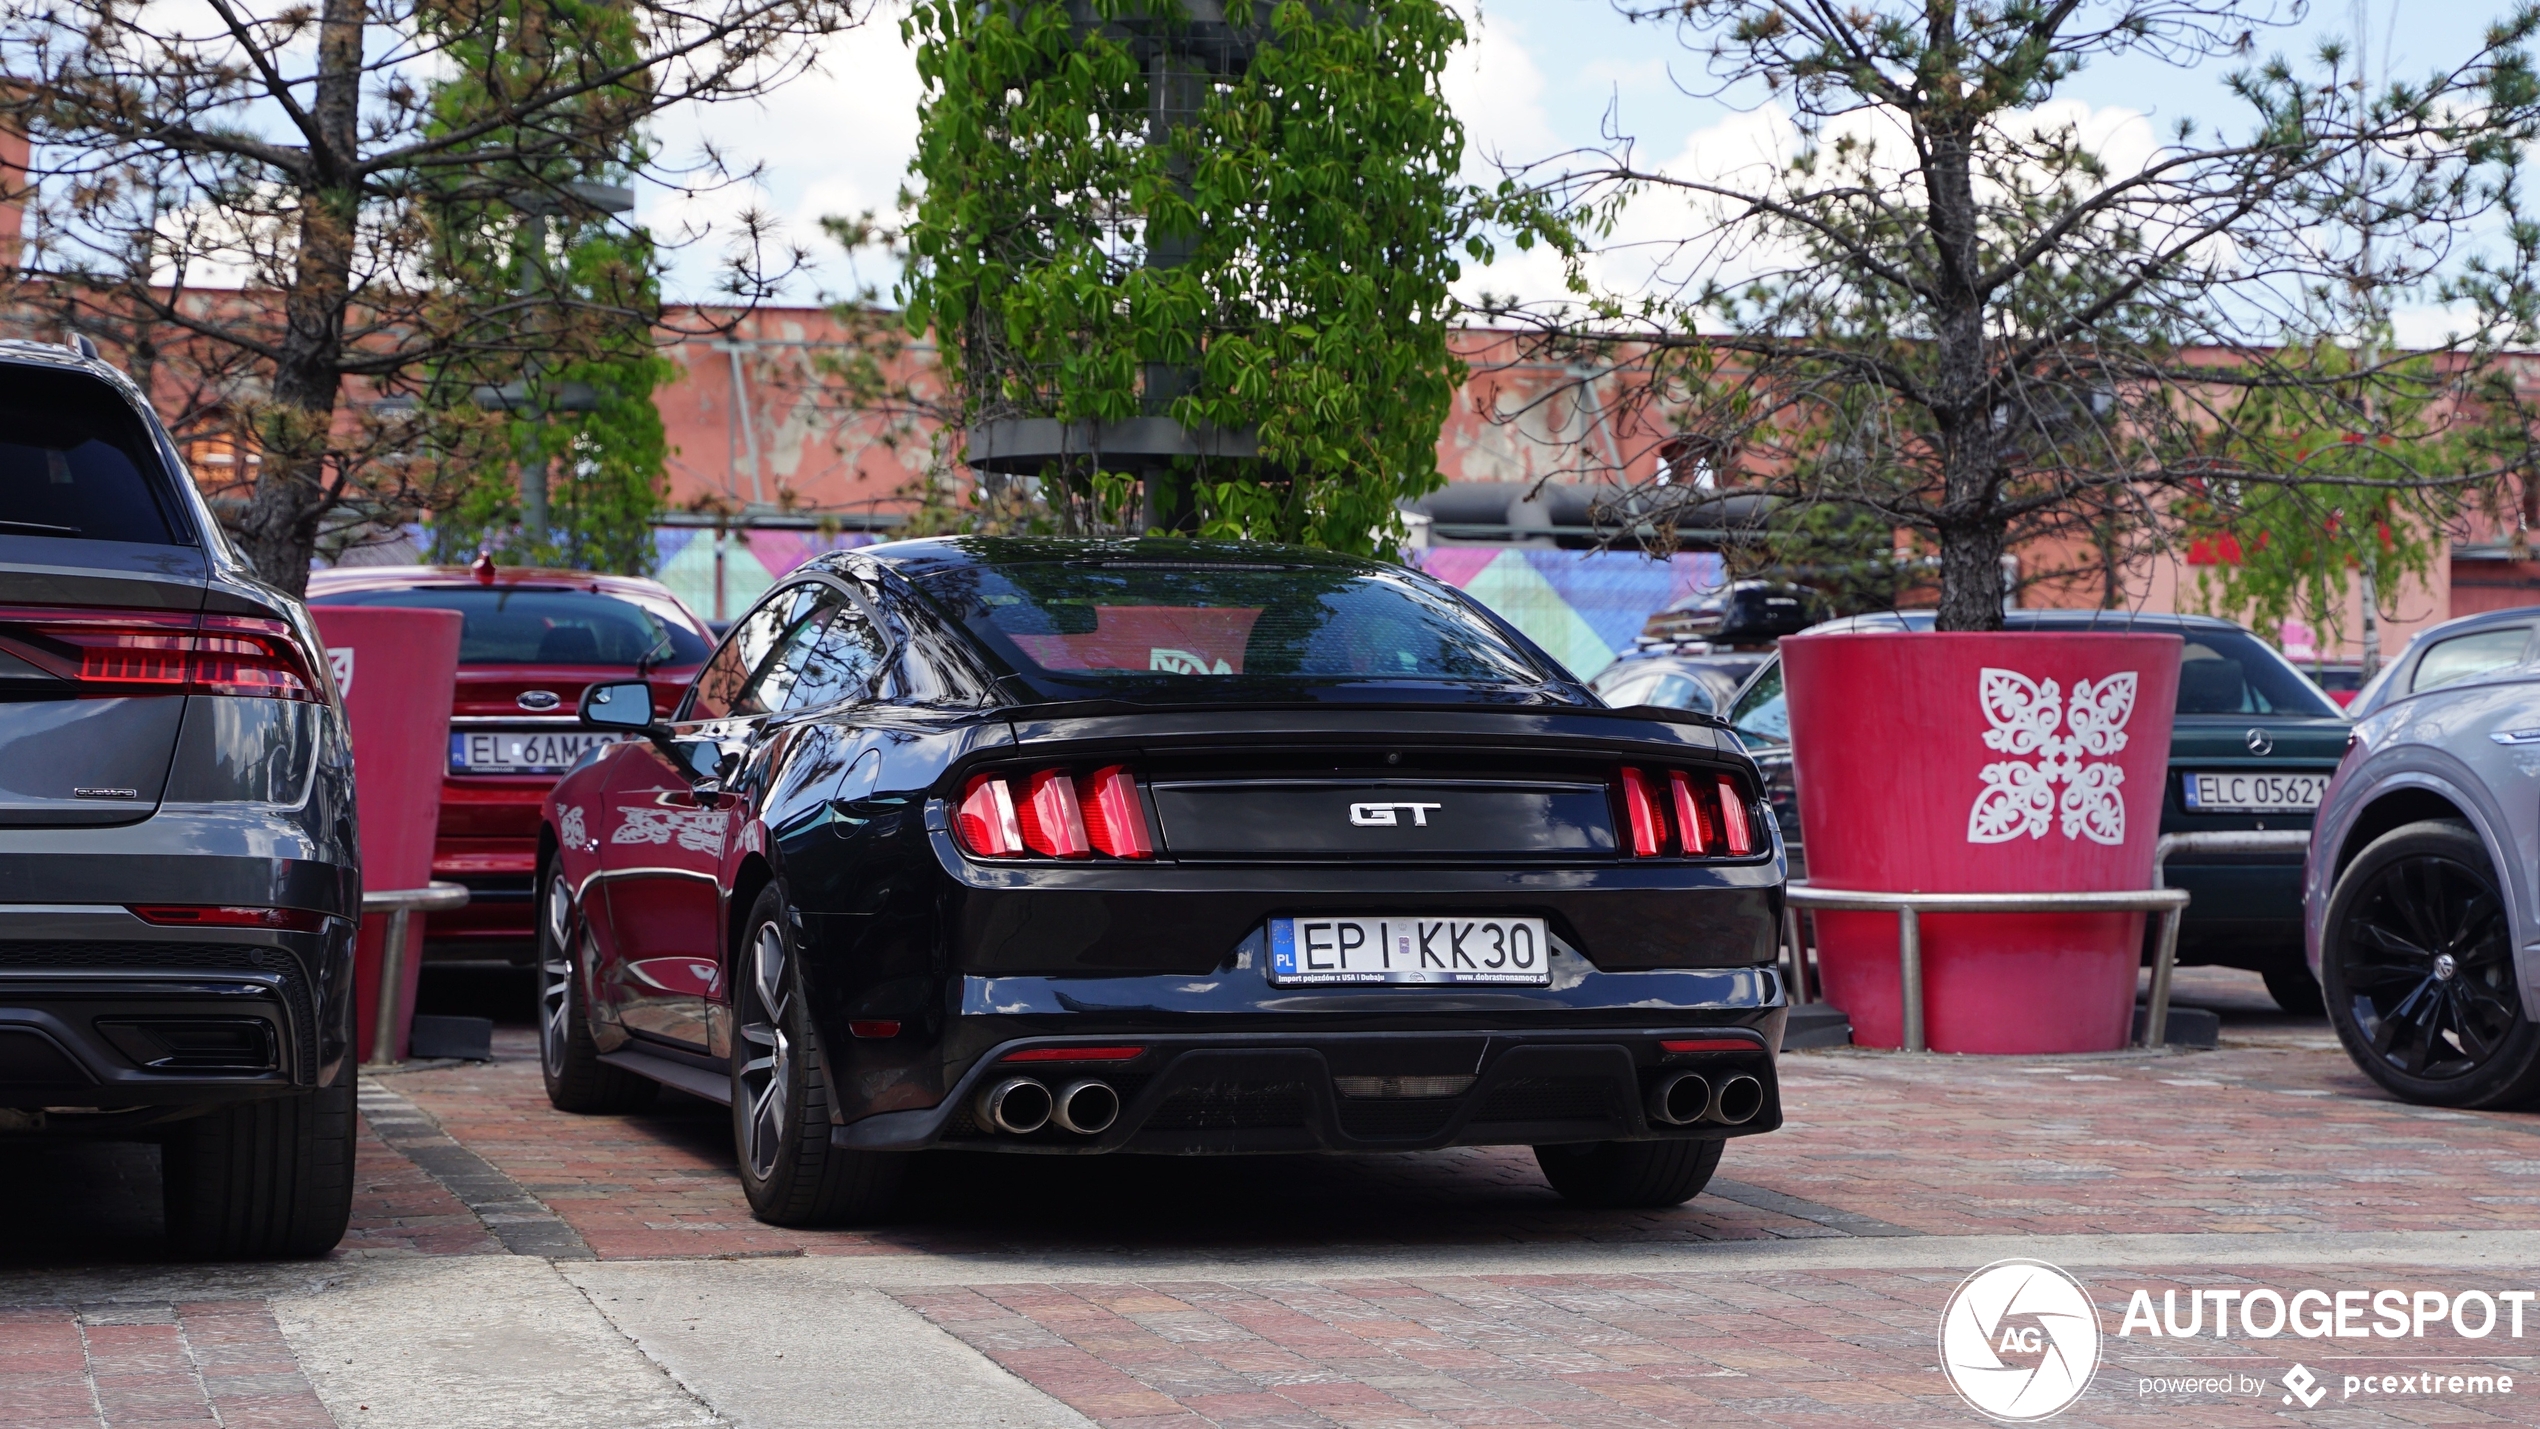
{"x": 1386, "y": 816}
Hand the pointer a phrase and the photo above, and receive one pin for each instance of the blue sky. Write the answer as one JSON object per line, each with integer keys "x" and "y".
{"x": 1540, "y": 76}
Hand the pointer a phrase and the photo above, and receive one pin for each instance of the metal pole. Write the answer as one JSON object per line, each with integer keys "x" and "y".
{"x": 2156, "y": 1009}
{"x": 1909, "y": 965}
{"x": 1798, "y": 957}
{"x": 392, "y": 985}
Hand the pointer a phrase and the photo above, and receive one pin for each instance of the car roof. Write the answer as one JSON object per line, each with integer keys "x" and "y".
{"x": 347, "y": 578}
{"x": 931, "y": 555}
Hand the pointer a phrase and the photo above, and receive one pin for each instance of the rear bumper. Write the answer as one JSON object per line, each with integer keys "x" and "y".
{"x": 1234, "y": 1093}
{"x": 100, "y": 1010}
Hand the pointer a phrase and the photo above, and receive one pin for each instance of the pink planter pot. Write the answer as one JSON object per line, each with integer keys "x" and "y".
{"x": 1999, "y": 763}
{"x": 397, "y": 669}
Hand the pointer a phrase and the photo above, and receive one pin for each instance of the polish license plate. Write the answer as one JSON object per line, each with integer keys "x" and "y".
{"x": 506, "y": 751}
{"x": 2248, "y": 792}
{"x": 1306, "y": 952}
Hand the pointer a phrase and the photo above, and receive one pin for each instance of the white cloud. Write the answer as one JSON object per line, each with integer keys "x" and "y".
{"x": 834, "y": 141}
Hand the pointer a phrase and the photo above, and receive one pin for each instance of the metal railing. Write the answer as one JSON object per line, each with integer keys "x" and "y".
{"x": 401, "y": 904}
{"x": 2157, "y": 1005}
{"x": 1909, "y": 909}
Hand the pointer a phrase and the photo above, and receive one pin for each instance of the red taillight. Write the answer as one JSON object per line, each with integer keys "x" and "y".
{"x": 214, "y": 915}
{"x": 1710, "y": 1044}
{"x": 1056, "y": 815}
{"x": 987, "y": 819}
{"x": 1642, "y": 816}
{"x": 1700, "y": 831}
{"x": 1051, "y": 821}
{"x": 236, "y": 655}
{"x": 109, "y": 652}
{"x": 1114, "y": 818}
{"x": 1074, "y": 1054}
{"x": 1733, "y": 817}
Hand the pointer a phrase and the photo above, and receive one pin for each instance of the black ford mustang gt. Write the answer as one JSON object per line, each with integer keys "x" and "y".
{"x": 1159, "y": 846}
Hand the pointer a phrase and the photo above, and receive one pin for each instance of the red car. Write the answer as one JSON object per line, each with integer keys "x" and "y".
{"x": 534, "y": 639}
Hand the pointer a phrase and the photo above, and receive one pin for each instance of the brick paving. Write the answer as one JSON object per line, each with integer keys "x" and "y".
{"x": 203, "y": 1362}
{"x": 2272, "y": 1135}
{"x": 1852, "y": 1349}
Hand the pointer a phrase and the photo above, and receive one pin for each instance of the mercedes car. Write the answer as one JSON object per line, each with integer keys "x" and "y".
{"x": 2421, "y": 911}
{"x": 1156, "y": 846}
{"x": 179, "y": 873}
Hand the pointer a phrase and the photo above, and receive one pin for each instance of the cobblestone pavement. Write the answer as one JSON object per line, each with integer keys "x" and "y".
{"x": 211, "y": 1362}
{"x": 1443, "y": 1288}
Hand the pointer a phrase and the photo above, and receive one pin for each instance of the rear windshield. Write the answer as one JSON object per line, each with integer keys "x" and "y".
{"x": 76, "y": 462}
{"x": 1192, "y": 622}
{"x": 2227, "y": 672}
{"x": 529, "y": 625}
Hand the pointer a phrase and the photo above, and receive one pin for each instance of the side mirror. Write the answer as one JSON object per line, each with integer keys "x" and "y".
{"x": 621, "y": 706}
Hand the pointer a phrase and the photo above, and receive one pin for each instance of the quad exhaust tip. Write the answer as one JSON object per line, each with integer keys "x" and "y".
{"x": 1017, "y": 1106}
{"x": 1739, "y": 1099}
{"x": 1087, "y": 1108}
{"x": 1680, "y": 1100}
{"x": 1687, "y": 1098}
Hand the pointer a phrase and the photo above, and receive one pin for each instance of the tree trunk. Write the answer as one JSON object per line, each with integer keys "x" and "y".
{"x": 1970, "y": 577}
{"x": 280, "y": 527}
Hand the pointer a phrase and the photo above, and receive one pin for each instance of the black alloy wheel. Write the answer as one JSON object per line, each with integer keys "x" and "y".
{"x": 568, "y": 1059}
{"x": 2418, "y": 971}
{"x": 781, "y": 1096}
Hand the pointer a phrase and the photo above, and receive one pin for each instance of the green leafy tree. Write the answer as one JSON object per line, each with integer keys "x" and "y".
{"x": 1949, "y": 309}
{"x": 1306, "y": 218}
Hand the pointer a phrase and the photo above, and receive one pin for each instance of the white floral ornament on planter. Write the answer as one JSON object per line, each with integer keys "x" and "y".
{"x": 2019, "y": 796}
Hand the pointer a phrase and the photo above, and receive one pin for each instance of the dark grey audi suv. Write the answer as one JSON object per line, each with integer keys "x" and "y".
{"x": 179, "y": 881}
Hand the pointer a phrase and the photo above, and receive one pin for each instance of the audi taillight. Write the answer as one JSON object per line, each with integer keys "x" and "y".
{"x": 1055, "y": 813}
{"x": 119, "y": 652}
{"x": 1642, "y": 818}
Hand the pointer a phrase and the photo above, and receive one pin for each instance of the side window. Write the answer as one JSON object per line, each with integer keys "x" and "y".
{"x": 1761, "y": 711}
{"x": 720, "y": 686}
{"x": 1678, "y": 692}
{"x": 2464, "y": 656}
{"x": 841, "y": 655}
{"x": 1628, "y": 690}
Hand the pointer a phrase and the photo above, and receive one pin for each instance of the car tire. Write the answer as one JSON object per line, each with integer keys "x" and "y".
{"x": 1630, "y": 1175}
{"x": 270, "y": 1179}
{"x": 2417, "y": 968}
{"x": 791, "y": 1173}
{"x": 2294, "y": 989}
{"x": 568, "y": 1059}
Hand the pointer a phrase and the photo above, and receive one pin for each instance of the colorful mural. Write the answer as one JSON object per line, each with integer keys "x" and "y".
{"x": 1582, "y": 607}
{"x": 752, "y": 561}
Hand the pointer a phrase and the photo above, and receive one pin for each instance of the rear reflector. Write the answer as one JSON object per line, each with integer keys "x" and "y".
{"x": 987, "y": 819}
{"x": 214, "y": 915}
{"x": 873, "y": 1029}
{"x": 1074, "y": 1054}
{"x": 1051, "y": 821}
{"x": 117, "y": 652}
{"x": 1645, "y": 823}
{"x": 1710, "y": 1044}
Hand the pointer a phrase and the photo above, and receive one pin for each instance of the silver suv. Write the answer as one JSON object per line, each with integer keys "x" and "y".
{"x": 2419, "y": 903}
{"x": 179, "y": 881}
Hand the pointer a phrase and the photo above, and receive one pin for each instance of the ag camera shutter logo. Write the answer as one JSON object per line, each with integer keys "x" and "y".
{"x": 2019, "y": 1341}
